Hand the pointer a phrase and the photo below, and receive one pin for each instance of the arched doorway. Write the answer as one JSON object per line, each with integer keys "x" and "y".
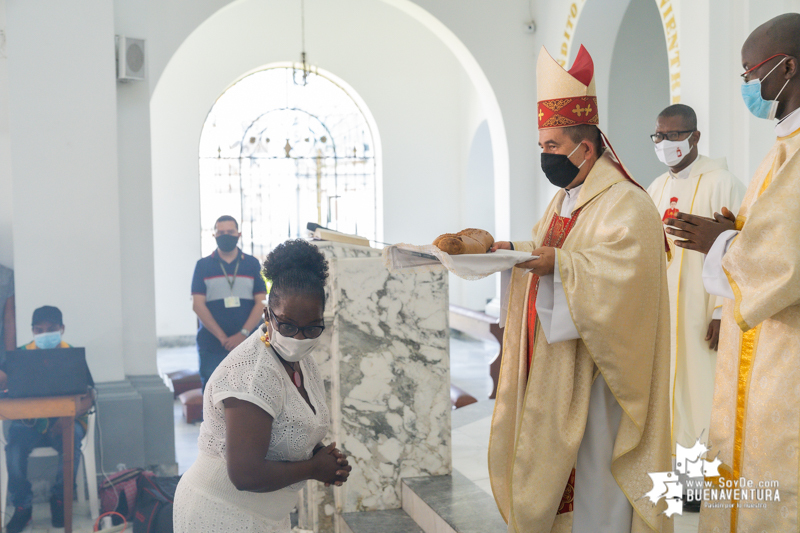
{"x": 638, "y": 89}
{"x": 279, "y": 150}
{"x": 408, "y": 89}
{"x": 632, "y": 76}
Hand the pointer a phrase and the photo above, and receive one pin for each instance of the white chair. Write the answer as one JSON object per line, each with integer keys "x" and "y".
{"x": 88, "y": 479}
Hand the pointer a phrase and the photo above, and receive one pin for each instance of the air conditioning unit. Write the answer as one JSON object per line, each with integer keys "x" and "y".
{"x": 130, "y": 59}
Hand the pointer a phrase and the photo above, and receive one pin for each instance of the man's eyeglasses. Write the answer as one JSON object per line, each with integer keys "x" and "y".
{"x": 670, "y": 136}
{"x": 290, "y": 330}
{"x": 749, "y": 71}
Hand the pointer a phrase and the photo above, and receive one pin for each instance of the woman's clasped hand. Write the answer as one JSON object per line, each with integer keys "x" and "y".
{"x": 330, "y": 465}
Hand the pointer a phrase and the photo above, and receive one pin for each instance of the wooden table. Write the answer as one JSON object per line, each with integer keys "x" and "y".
{"x": 64, "y": 407}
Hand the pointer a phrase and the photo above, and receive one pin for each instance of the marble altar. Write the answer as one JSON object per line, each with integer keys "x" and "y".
{"x": 386, "y": 365}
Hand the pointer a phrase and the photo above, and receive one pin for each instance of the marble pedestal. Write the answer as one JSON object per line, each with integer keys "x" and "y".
{"x": 386, "y": 367}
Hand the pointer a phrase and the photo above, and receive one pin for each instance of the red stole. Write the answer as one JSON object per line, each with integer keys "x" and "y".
{"x": 555, "y": 237}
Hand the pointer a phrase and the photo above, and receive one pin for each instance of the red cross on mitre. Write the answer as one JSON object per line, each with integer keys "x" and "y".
{"x": 566, "y": 97}
{"x": 562, "y": 112}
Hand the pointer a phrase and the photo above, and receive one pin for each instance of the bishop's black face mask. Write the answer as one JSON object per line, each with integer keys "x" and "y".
{"x": 559, "y": 169}
{"x": 227, "y": 243}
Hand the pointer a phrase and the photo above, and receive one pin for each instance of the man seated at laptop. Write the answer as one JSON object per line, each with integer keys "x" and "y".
{"x": 25, "y": 435}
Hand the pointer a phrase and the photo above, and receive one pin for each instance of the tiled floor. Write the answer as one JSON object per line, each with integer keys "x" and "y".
{"x": 81, "y": 521}
{"x": 170, "y": 360}
{"x": 469, "y": 364}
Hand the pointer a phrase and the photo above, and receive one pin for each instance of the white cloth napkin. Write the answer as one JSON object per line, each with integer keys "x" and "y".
{"x": 467, "y": 266}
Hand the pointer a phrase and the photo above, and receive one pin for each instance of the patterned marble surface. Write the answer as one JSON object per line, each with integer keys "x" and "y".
{"x": 456, "y": 500}
{"x": 386, "y": 367}
{"x": 390, "y": 521}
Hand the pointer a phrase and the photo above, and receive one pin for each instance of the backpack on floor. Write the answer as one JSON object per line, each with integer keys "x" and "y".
{"x": 118, "y": 493}
{"x": 153, "y": 512}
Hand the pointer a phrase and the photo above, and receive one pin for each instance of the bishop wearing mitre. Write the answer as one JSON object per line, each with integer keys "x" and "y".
{"x": 582, "y": 410}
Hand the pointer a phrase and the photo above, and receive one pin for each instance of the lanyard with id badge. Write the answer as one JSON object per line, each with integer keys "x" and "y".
{"x": 231, "y": 301}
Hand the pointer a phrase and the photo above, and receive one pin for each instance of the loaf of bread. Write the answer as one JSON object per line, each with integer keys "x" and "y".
{"x": 439, "y": 239}
{"x": 468, "y": 241}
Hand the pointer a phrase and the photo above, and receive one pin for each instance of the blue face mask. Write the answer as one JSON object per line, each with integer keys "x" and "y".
{"x": 751, "y": 93}
{"x": 45, "y": 341}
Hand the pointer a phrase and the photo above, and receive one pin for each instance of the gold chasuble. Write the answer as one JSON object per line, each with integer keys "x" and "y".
{"x": 755, "y": 423}
{"x": 613, "y": 266}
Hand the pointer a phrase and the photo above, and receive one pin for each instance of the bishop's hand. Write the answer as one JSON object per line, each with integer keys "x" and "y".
{"x": 544, "y": 264}
{"x": 699, "y": 233}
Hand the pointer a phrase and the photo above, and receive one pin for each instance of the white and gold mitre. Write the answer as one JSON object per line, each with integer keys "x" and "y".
{"x": 566, "y": 98}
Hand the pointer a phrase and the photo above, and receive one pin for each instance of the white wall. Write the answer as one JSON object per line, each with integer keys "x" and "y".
{"x": 638, "y": 90}
{"x": 135, "y": 203}
{"x": 62, "y": 122}
{"x": 494, "y": 34}
{"x": 597, "y": 30}
{"x": 711, "y": 33}
{"x": 413, "y": 90}
{"x": 477, "y": 211}
{"x": 6, "y": 189}
{"x": 476, "y": 194}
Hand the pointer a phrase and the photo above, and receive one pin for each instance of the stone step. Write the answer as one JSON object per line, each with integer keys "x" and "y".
{"x": 391, "y": 521}
{"x": 450, "y": 504}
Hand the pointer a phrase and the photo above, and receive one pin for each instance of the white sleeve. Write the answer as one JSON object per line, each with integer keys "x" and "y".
{"x": 552, "y": 308}
{"x": 714, "y": 278}
{"x": 717, "y": 314}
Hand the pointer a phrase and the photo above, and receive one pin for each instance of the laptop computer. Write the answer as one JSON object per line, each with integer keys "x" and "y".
{"x": 40, "y": 373}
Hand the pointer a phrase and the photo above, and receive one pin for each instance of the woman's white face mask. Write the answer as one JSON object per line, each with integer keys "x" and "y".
{"x": 291, "y": 349}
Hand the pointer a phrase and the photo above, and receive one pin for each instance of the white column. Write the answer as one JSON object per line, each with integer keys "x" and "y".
{"x": 136, "y": 235}
{"x": 136, "y": 204}
{"x": 6, "y": 190}
{"x": 62, "y": 122}
{"x": 694, "y": 25}
{"x": 712, "y": 33}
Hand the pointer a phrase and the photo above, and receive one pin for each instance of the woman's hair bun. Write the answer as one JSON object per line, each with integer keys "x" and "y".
{"x": 296, "y": 256}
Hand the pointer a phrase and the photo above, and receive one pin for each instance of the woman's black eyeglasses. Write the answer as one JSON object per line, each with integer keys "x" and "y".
{"x": 290, "y": 330}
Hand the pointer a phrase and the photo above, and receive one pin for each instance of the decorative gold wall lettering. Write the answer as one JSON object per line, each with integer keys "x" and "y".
{"x": 668, "y": 19}
{"x": 569, "y": 30}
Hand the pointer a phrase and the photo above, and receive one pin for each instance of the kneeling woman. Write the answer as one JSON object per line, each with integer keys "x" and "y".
{"x": 264, "y": 412}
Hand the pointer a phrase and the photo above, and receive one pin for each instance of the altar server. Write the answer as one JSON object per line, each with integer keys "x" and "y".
{"x": 582, "y": 412}
{"x": 702, "y": 186}
{"x": 753, "y": 259}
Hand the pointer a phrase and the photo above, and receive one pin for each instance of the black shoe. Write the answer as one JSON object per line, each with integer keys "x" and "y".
{"x": 56, "y": 512}
{"x": 692, "y": 506}
{"x": 20, "y": 520}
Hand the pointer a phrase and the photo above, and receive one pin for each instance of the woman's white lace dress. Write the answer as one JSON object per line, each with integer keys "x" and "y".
{"x": 206, "y": 500}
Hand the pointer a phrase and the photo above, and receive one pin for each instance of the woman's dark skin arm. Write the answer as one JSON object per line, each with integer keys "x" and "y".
{"x": 248, "y": 429}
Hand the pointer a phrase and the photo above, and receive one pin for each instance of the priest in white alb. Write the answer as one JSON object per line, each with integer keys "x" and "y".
{"x": 701, "y": 186}
{"x": 753, "y": 260}
{"x": 582, "y": 409}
